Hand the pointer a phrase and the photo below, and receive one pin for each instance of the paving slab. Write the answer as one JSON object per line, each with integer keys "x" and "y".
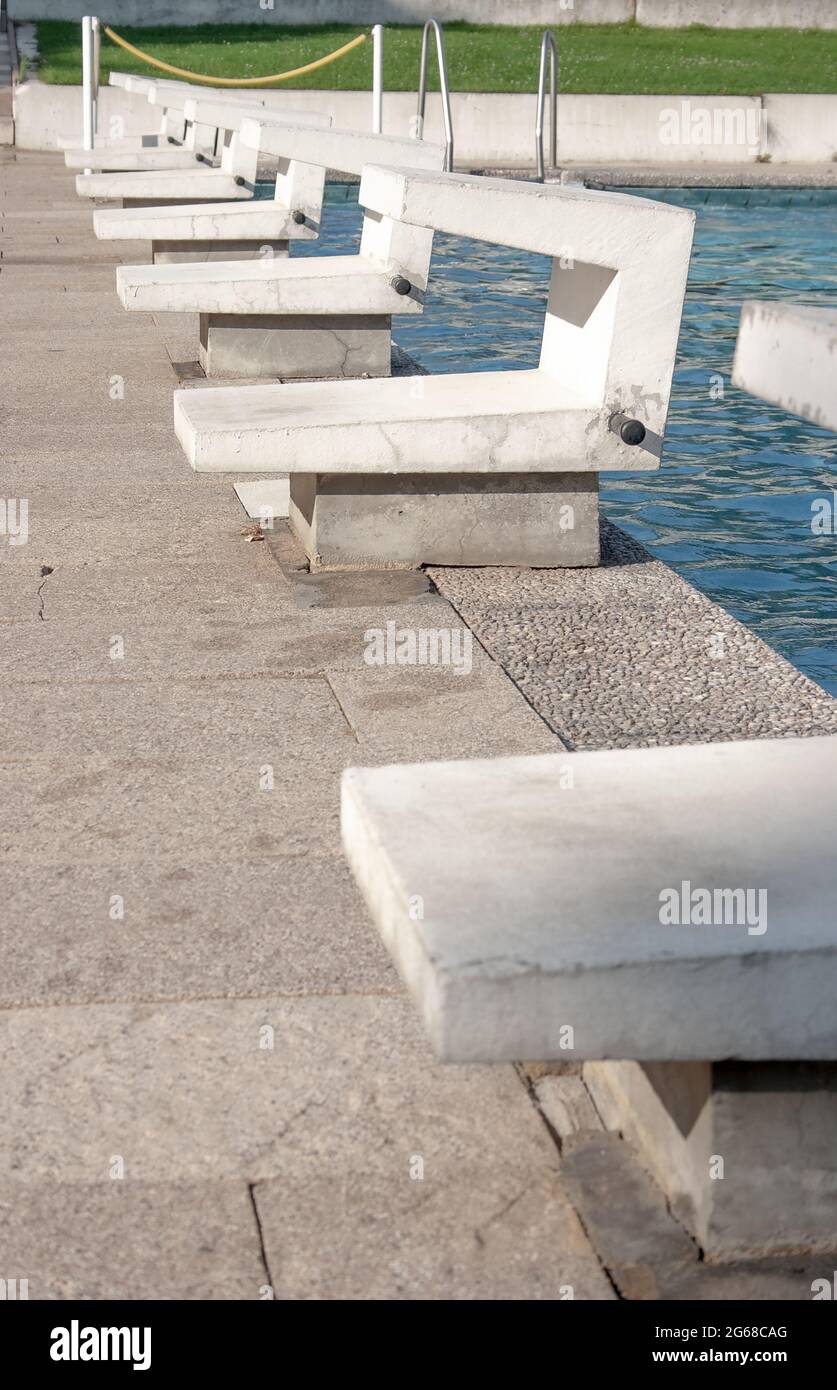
{"x": 304, "y": 641}
{"x": 113, "y": 1239}
{"x": 427, "y": 712}
{"x": 133, "y": 338}
{"x": 70, "y": 257}
{"x": 280, "y": 719}
{"x": 250, "y": 1088}
{"x": 122, "y": 530}
{"x": 148, "y": 931}
{"x": 19, "y": 601}
{"x": 319, "y": 1105}
{"x": 470, "y": 1229}
{"x": 179, "y": 812}
{"x": 117, "y": 377}
{"x": 256, "y": 590}
{"x": 68, "y": 494}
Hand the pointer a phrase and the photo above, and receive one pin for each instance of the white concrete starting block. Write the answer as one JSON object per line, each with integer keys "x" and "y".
{"x": 168, "y": 135}
{"x": 261, "y": 228}
{"x": 470, "y": 468}
{"x": 787, "y": 354}
{"x": 181, "y": 139}
{"x": 234, "y": 178}
{"x": 667, "y": 908}
{"x": 176, "y": 144}
{"x": 315, "y": 317}
{"x": 159, "y": 134}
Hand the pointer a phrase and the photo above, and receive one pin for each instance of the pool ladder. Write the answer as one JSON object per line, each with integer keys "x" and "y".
{"x": 418, "y": 127}
{"x": 547, "y": 46}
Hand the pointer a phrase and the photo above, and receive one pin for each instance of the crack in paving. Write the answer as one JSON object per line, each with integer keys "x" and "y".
{"x": 349, "y": 725}
{"x": 46, "y": 571}
{"x": 251, "y": 1193}
{"x": 498, "y": 1215}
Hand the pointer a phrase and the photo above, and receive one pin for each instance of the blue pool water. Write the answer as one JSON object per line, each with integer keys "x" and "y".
{"x": 731, "y": 507}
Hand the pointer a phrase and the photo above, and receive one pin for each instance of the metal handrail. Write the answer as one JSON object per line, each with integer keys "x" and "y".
{"x": 547, "y": 44}
{"x": 443, "y": 84}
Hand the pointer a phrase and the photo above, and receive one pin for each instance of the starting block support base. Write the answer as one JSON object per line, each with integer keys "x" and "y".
{"x": 402, "y": 521}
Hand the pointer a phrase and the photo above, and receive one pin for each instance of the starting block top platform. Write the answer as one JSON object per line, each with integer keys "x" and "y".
{"x": 661, "y": 904}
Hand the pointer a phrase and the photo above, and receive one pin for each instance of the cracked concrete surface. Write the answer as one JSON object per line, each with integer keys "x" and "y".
{"x": 46, "y": 571}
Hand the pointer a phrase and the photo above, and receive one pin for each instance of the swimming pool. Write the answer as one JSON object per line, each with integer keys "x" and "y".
{"x": 731, "y": 508}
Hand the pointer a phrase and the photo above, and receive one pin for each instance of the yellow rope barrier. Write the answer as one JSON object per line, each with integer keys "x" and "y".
{"x": 233, "y": 81}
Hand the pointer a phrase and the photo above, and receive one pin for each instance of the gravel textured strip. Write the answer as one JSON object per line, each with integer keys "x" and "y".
{"x": 630, "y": 655}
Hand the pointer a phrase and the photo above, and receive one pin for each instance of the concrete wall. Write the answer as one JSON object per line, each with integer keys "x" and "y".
{"x": 735, "y": 14}
{"x": 497, "y": 128}
{"x": 738, "y": 14}
{"x": 800, "y": 127}
{"x": 360, "y": 12}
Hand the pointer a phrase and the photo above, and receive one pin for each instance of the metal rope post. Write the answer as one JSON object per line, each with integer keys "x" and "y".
{"x": 87, "y": 97}
{"x": 97, "y": 45}
{"x": 377, "y": 78}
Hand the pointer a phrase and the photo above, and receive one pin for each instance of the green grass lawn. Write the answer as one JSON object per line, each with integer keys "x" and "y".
{"x": 481, "y": 57}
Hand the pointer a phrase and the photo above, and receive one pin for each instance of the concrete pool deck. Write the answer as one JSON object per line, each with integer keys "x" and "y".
{"x": 700, "y": 175}
{"x": 633, "y": 174}
{"x": 213, "y": 1083}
